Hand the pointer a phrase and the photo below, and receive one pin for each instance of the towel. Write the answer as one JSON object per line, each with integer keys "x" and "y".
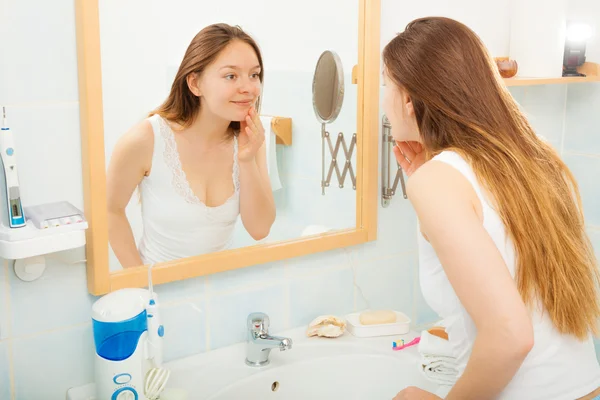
{"x": 438, "y": 363}
{"x": 270, "y": 140}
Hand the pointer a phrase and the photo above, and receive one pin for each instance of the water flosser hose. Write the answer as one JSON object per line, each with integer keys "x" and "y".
{"x": 155, "y": 328}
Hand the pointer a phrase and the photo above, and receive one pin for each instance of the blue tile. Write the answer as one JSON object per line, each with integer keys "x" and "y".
{"x": 396, "y": 230}
{"x": 269, "y": 273}
{"x": 185, "y": 329}
{"x": 62, "y": 288}
{"x": 518, "y": 93}
{"x": 386, "y": 284}
{"x": 227, "y": 313}
{"x": 582, "y": 129}
{"x": 316, "y": 263}
{"x": 47, "y": 365}
{"x": 191, "y": 288}
{"x": 330, "y": 292}
{"x": 423, "y": 313}
{"x": 544, "y": 106}
{"x": 587, "y": 170}
{"x": 594, "y": 235}
{"x": 4, "y": 371}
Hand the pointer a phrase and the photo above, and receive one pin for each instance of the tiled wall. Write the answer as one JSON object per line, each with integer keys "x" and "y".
{"x": 45, "y": 333}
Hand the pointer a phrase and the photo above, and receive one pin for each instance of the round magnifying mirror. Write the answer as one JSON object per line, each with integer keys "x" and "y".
{"x": 328, "y": 87}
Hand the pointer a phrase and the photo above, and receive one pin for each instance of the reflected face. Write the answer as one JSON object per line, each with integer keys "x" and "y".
{"x": 231, "y": 84}
{"x": 398, "y": 108}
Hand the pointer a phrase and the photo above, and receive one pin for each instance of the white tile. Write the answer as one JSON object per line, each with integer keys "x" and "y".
{"x": 4, "y": 300}
{"x": 490, "y": 20}
{"x": 49, "y": 152}
{"x": 386, "y": 284}
{"x": 46, "y": 366}
{"x": 5, "y": 392}
{"x": 227, "y": 313}
{"x": 264, "y": 274}
{"x": 185, "y": 329}
{"x": 62, "y": 290}
{"x": 331, "y": 292}
{"x": 39, "y": 42}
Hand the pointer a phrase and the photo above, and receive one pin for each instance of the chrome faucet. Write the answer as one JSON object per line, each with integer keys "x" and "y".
{"x": 260, "y": 343}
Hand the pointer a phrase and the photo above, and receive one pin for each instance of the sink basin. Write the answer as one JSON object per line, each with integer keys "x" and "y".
{"x": 315, "y": 368}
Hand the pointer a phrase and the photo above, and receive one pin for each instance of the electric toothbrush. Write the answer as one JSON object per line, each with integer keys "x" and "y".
{"x": 14, "y": 209}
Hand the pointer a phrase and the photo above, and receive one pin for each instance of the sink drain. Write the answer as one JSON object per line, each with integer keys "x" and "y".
{"x": 274, "y": 386}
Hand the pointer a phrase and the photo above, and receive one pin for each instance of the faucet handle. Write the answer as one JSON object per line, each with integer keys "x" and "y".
{"x": 258, "y": 322}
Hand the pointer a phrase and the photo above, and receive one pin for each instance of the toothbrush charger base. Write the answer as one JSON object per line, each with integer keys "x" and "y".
{"x": 29, "y": 241}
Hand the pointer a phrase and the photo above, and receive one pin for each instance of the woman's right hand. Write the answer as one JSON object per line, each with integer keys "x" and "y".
{"x": 410, "y": 156}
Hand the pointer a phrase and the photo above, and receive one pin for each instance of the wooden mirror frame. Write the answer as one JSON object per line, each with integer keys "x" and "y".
{"x": 99, "y": 277}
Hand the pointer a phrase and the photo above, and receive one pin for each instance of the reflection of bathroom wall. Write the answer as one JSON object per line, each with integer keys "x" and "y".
{"x": 209, "y": 312}
{"x": 300, "y": 202}
{"x": 146, "y": 59}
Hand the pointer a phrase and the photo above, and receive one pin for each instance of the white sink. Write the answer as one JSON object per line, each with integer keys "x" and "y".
{"x": 315, "y": 368}
{"x": 347, "y": 368}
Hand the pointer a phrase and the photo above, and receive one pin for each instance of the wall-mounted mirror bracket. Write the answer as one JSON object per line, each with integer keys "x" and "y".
{"x": 347, "y": 168}
{"x": 388, "y": 190}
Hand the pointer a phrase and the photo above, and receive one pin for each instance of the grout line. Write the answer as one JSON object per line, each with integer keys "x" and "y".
{"x": 41, "y": 104}
{"x": 579, "y": 153}
{"x": 416, "y": 289}
{"x": 11, "y": 363}
{"x": 207, "y": 314}
{"x": 11, "y": 370}
{"x": 6, "y": 289}
{"x": 287, "y": 300}
{"x": 50, "y": 331}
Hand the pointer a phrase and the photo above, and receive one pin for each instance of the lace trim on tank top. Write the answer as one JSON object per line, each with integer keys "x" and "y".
{"x": 179, "y": 181}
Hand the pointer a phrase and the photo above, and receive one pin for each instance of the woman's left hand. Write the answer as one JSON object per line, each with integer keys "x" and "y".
{"x": 414, "y": 393}
{"x": 252, "y": 136}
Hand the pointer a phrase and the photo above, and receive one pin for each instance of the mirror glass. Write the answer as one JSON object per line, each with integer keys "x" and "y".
{"x": 171, "y": 187}
{"x": 328, "y": 87}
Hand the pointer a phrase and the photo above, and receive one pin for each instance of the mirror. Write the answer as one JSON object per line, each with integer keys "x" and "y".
{"x": 167, "y": 214}
{"x": 163, "y": 174}
{"x": 328, "y": 87}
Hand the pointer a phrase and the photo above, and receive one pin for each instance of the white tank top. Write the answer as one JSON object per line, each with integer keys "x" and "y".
{"x": 558, "y": 366}
{"x": 176, "y": 223}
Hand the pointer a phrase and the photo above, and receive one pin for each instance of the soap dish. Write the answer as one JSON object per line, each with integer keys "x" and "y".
{"x": 400, "y": 327}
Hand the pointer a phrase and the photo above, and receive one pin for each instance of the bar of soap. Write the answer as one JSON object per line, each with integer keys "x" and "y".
{"x": 377, "y": 317}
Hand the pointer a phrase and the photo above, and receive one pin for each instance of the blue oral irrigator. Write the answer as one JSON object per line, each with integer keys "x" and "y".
{"x": 12, "y": 211}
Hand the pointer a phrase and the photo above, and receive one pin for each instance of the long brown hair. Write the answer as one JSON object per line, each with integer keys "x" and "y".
{"x": 461, "y": 104}
{"x": 181, "y": 106}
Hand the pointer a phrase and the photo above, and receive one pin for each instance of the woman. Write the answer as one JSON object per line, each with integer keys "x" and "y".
{"x": 504, "y": 257}
{"x": 199, "y": 159}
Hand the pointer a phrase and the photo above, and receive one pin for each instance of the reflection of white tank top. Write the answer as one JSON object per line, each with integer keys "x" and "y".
{"x": 176, "y": 223}
{"x": 558, "y": 366}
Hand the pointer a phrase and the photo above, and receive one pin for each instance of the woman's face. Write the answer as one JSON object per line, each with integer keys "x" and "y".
{"x": 231, "y": 84}
{"x": 399, "y": 110}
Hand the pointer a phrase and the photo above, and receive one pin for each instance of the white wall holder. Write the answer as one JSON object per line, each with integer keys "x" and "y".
{"x": 29, "y": 241}
{"x": 28, "y": 244}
